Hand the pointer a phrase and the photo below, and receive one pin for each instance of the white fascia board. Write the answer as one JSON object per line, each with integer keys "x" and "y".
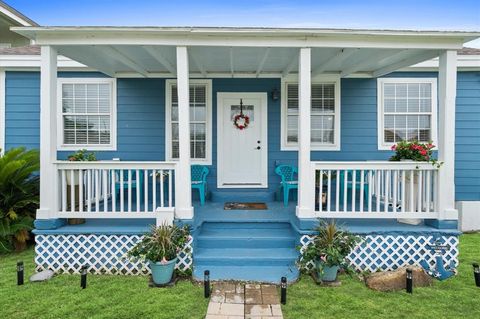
{"x": 15, "y": 17}
{"x": 33, "y": 61}
{"x": 464, "y": 62}
{"x": 254, "y": 37}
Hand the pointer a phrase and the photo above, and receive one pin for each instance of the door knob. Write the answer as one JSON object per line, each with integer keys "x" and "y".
{"x": 258, "y": 147}
{"x": 258, "y": 142}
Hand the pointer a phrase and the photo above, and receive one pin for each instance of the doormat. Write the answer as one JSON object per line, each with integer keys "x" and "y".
{"x": 244, "y": 206}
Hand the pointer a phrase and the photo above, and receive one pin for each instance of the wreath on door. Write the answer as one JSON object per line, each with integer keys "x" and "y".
{"x": 241, "y": 121}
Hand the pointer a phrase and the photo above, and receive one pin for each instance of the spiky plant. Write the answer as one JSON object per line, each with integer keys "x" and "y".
{"x": 162, "y": 244}
{"x": 330, "y": 246}
{"x": 19, "y": 194}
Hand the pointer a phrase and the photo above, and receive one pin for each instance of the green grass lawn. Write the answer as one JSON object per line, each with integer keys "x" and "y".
{"x": 129, "y": 296}
{"x": 454, "y": 298}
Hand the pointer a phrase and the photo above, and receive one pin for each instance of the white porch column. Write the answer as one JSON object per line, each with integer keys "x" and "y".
{"x": 48, "y": 134}
{"x": 183, "y": 191}
{"x": 447, "y": 89}
{"x": 306, "y": 178}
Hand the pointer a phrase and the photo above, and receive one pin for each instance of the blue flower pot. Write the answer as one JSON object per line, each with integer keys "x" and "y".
{"x": 162, "y": 273}
{"x": 328, "y": 273}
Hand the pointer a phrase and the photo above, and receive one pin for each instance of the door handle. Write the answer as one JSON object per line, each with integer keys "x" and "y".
{"x": 258, "y": 147}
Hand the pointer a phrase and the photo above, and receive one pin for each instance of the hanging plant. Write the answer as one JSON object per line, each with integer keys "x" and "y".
{"x": 241, "y": 121}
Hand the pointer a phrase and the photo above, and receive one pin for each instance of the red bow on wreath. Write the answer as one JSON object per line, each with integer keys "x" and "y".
{"x": 241, "y": 120}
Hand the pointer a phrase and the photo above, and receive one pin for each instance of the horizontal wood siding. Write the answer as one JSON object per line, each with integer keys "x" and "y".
{"x": 141, "y": 122}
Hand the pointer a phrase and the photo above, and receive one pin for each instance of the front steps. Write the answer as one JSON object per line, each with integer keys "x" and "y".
{"x": 248, "y": 251}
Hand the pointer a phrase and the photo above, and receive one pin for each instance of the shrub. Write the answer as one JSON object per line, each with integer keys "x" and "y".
{"x": 19, "y": 195}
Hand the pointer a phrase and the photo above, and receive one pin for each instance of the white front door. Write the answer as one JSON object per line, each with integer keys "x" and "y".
{"x": 242, "y": 154}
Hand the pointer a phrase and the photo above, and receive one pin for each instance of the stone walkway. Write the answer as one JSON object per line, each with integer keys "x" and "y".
{"x": 235, "y": 301}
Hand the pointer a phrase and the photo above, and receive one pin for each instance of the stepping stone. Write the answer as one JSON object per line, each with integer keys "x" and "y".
{"x": 42, "y": 276}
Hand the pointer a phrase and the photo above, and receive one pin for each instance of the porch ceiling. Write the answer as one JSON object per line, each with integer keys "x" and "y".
{"x": 237, "y": 52}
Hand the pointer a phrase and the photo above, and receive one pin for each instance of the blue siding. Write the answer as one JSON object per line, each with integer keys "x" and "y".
{"x": 141, "y": 122}
{"x": 22, "y": 109}
{"x": 467, "y": 137}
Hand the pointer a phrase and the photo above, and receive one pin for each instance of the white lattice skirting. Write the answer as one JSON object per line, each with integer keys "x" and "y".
{"x": 104, "y": 254}
{"x": 389, "y": 252}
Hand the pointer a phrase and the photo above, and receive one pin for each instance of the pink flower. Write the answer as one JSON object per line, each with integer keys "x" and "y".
{"x": 423, "y": 152}
{"x": 394, "y": 147}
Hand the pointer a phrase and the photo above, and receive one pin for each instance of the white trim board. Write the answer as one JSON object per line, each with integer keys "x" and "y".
{"x": 2, "y": 111}
{"x": 168, "y": 120}
{"x": 263, "y": 96}
{"x": 113, "y": 115}
{"x": 380, "y": 109}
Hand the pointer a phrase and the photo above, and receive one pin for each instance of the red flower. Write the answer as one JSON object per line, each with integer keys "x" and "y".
{"x": 423, "y": 152}
{"x": 394, "y": 147}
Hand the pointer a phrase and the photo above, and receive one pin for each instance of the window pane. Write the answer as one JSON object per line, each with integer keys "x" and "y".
{"x": 328, "y": 122}
{"x": 174, "y": 113}
{"x": 175, "y": 131}
{"x": 292, "y": 136}
{"x": 316, "y": 122}
{"x": 292, "y": 122}
{"x": 425, "y": 105}
{"x": 424, "y": 135}
{"x": 413, "y": 106}
{"x": 67, "y": 91}
{"x": 175, "y": 149}
{"x": 401, "y": 105}
{"x": 389, "y": 121}
{"x": 389, "y": 105}
{"x": 316, "y": 136}
{"x": 329, "y": 91}
{"x": 200, "y": 150}
{"x": 401, "y": 90}
{"x": 425, "y": 90}
{"x": 424, "y": 121}
{"x": 329, "y": 105}
{"x": 413, "y": 90}
{"x": 89, "y": 100}
{"x": 199, "y": 113}
{"x": 389, "y": 90}
{"x": 328, "y": 136}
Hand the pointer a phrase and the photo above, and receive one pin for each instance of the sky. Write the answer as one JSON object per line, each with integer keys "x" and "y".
{"x": 461, "y": 15}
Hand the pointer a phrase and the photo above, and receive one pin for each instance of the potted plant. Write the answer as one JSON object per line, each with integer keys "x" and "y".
{"x": 159, "y": 248}
{"x": 79, "y": 156}
{"x": 413, "y": 151}
{"x": 328, "y": 250}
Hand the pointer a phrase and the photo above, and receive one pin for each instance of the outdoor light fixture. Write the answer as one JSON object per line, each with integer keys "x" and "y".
{"x": 275, "y": 94}
{"x": 83, "y": 278}
{"x": 283, "y": 292}
{"x": 206, "y": 283}
{"x": 476, "y": 273}
{"x": 409, "y": 281}
{"x": 20, "y": 271}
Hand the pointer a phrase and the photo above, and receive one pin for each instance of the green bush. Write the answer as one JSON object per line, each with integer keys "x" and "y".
{"x": 19, "y": 195}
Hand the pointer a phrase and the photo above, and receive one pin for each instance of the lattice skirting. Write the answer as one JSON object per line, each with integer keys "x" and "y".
{"x": 104, "y": 254}
{"x": 389, "y": 252}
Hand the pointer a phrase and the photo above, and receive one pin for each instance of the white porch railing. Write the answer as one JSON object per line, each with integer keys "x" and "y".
{"x": 114, "y": 189}
{"x": 376, "y": 190}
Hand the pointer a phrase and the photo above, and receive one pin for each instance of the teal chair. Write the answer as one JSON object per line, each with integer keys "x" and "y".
{"x": 288, "y": 173}
{"x": 199, "y": 181}
{"x": 119, "y": 185}
{"x": 357, "y": 183}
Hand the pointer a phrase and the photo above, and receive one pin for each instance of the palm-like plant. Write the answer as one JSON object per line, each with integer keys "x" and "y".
{"x": 162, "y": 244}
{"x": 19, "y": 195}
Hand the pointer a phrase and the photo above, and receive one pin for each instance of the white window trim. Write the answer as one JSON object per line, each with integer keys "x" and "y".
{"x": 322, "y": 79}
{"x": 168, "y": 121}
{"x": 113, "y": 115}
{"x": 380, "y": 109}
{"x": 2, "y": 111}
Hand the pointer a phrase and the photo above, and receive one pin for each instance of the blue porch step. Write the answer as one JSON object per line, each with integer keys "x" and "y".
{"x": 250, "y": 251}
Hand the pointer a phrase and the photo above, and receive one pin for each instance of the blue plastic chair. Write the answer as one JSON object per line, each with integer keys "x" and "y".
{"x": 199, "y": 181}
{"x": 357, "y": 183}
{"x": 119, "y": 185}
{"x": 288, "y": 173}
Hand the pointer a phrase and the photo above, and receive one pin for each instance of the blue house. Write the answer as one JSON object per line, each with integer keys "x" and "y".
{"x": 152, "y": 102}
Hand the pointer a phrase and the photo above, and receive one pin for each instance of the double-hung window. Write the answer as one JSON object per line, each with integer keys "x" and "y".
{"x": 325, "y": 116}
{"x": 200, "y": 121}
{"x": 407, "y": 110}
{"x": 88, "y": 113}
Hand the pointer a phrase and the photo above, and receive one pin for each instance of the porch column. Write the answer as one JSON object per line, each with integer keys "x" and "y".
{"x": 183, "y": 191}
{"x": 306, "y": 192}
{"x": 447, "y": 89}
{"x": 49, "y": 199}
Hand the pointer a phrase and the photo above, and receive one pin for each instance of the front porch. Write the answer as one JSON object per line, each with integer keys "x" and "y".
{"x": 312, "y": 102}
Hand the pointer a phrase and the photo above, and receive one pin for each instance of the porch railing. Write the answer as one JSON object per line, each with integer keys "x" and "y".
{"x": 376, "y": 190}
{"x": 114, "y": 189}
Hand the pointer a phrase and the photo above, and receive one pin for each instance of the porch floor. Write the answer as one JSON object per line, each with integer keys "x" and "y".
{"x": 214, "y": 212}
